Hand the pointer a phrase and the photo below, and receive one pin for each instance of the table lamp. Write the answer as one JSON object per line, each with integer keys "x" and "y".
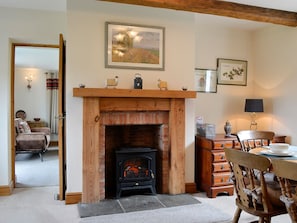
{"x": 253, "y": 106}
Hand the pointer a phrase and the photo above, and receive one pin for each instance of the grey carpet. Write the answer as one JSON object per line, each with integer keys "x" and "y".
{"x": 135, "y": 203}
{"x": 31, "y": 172}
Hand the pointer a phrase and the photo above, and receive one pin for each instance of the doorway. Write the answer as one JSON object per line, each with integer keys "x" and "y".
{"x": 30, "y": 73}
{"x": 38, "y": 101}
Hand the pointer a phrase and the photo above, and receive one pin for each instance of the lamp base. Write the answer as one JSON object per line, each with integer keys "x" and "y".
{"x": 253, "y": 125}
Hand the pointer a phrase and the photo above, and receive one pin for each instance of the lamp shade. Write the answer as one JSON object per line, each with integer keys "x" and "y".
{"x": 253, "y": 105}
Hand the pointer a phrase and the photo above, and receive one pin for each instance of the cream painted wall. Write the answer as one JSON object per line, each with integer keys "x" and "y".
{"x": 212, "y": 42}
{"x": 33, "y": 101}
{"x": 85, "y": 64}
{"x": 191, "y": 41}
{"x": 28, "y": 26}
{"x": 276, "y": 77}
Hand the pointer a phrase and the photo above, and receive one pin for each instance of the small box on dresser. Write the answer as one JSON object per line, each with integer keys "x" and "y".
{"x": 212, "y": 171}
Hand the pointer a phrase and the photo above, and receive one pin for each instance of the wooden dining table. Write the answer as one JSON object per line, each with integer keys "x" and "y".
{"x": 290, "y": 156}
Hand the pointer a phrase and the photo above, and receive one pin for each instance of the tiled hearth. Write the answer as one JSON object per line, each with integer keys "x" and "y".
{"x": 152, "y": 118}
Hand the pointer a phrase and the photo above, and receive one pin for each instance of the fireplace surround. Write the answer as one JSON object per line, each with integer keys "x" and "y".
{"x": 109, "y": 107}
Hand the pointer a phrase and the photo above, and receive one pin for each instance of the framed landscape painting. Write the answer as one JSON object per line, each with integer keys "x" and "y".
{"x": 134, "y": 46}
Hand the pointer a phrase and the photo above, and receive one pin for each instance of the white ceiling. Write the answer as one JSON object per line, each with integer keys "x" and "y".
{"x": 37, "y": 57}
{"x": 46, "y": 58}
{"x": 286, "y": 5}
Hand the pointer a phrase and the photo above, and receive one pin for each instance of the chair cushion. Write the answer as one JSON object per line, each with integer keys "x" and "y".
{"x": 273, "y": 188}
{"x": 274, "y": 191}
{"x": 30, "y": 142}
{"x": 24, "y": 127}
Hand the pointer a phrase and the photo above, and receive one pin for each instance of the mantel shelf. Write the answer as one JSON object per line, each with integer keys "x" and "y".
{"x": 131, "y": 93}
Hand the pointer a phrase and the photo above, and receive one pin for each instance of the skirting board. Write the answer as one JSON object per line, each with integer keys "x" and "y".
{"x": 191, "y": 188}
{"x": 74, "y": 198}
{"x": 6, "y": 190}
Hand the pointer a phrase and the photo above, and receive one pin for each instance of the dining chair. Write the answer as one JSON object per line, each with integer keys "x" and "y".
{"x": 287, "y": 176}
{"x": 252, "y": 193}
{"x": 250, "y": 139}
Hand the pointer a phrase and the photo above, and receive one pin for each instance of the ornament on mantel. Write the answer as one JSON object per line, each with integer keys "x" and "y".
{"x": 228, "y": 129}
{"x": 138, "y": 81}
{"x": 162, "y": 84}
{"x": 112, "y": 82}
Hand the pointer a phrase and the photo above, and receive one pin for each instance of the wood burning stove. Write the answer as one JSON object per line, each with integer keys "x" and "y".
{"x": 135, "y": 169}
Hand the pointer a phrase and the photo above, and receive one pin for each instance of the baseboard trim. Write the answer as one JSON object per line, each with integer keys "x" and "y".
{"x": 6, "y": 190}
{"x": 73, "y": 198}
{"x": 191, "y": 188}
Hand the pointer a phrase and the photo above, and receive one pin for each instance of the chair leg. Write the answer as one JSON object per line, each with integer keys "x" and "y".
{"x": 264, "y": 220}
{"x": 41, "y": 156}
{"x": 236, "y": 215}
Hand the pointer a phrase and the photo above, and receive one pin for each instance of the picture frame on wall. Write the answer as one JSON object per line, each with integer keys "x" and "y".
{"x": 232, "y": 72}
{"x": 206, "y": 80}
{"x": 130, "y": 46}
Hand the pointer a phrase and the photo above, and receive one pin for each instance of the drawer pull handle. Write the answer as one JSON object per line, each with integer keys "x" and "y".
{"x": 222, "y": 157}
{"x": 222, "y": 145}
{"x": 222, "y": 167}
{"x": 222, "y": 180}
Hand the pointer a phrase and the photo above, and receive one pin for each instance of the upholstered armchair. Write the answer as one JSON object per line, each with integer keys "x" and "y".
{"x": 31, "y": 140}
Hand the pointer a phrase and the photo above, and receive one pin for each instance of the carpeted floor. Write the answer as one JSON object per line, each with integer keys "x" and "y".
{"x": 31, "y": 172}
{"x": 135, "y": 203}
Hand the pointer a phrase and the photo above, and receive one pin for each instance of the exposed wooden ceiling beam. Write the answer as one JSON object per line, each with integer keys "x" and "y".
{"x": 221, "y": 8}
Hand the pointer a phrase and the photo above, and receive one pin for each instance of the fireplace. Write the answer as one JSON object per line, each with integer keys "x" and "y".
{"x": 150, "y": 135}
{"x": 135, "y": 170}
{"x": 103, "y": 108}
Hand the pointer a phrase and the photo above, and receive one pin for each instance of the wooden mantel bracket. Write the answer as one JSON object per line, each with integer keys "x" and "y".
{"x": 221, "y": 8}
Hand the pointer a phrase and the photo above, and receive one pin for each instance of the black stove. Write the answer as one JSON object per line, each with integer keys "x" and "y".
{"x": 135, "y": 169}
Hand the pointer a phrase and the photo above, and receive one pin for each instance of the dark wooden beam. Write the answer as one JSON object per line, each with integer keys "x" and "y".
{"x": 221, "y": 8}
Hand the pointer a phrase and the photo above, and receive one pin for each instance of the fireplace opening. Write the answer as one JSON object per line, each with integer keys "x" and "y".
{"x": 135, "y": 170}
{"x": 134, "y": 138}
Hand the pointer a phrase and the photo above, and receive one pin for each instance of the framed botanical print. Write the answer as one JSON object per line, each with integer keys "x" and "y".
{"x": 232, "y": 72}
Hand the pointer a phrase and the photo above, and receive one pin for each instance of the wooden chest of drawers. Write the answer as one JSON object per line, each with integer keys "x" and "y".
{"x": 212, "y": 171}
{"x": 34, "y": 124}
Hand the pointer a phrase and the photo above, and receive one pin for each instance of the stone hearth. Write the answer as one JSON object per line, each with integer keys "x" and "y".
{"x": 119, "y": 107}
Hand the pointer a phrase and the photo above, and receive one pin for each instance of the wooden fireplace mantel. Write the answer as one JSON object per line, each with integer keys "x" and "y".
{"x": 134, "y": 93}
{"x": 100, "y": 107}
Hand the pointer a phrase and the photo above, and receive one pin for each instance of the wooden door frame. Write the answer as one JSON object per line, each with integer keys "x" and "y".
{"x": 12, "y": 109}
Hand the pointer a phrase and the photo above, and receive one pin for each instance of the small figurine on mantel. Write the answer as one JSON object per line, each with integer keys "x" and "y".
{"x": 138, "y": 81}
{"x": 112, "y": 82}
{"x": 162, "y": 84}
{"x": 228, "y": 129}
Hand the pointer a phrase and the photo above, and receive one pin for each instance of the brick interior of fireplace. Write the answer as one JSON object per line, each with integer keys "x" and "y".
{"x": 150, "y": 135}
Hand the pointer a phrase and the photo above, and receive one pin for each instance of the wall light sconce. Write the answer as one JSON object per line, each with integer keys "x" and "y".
{"x": 29, "y": 80}
{"x": 253, "y": 106}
